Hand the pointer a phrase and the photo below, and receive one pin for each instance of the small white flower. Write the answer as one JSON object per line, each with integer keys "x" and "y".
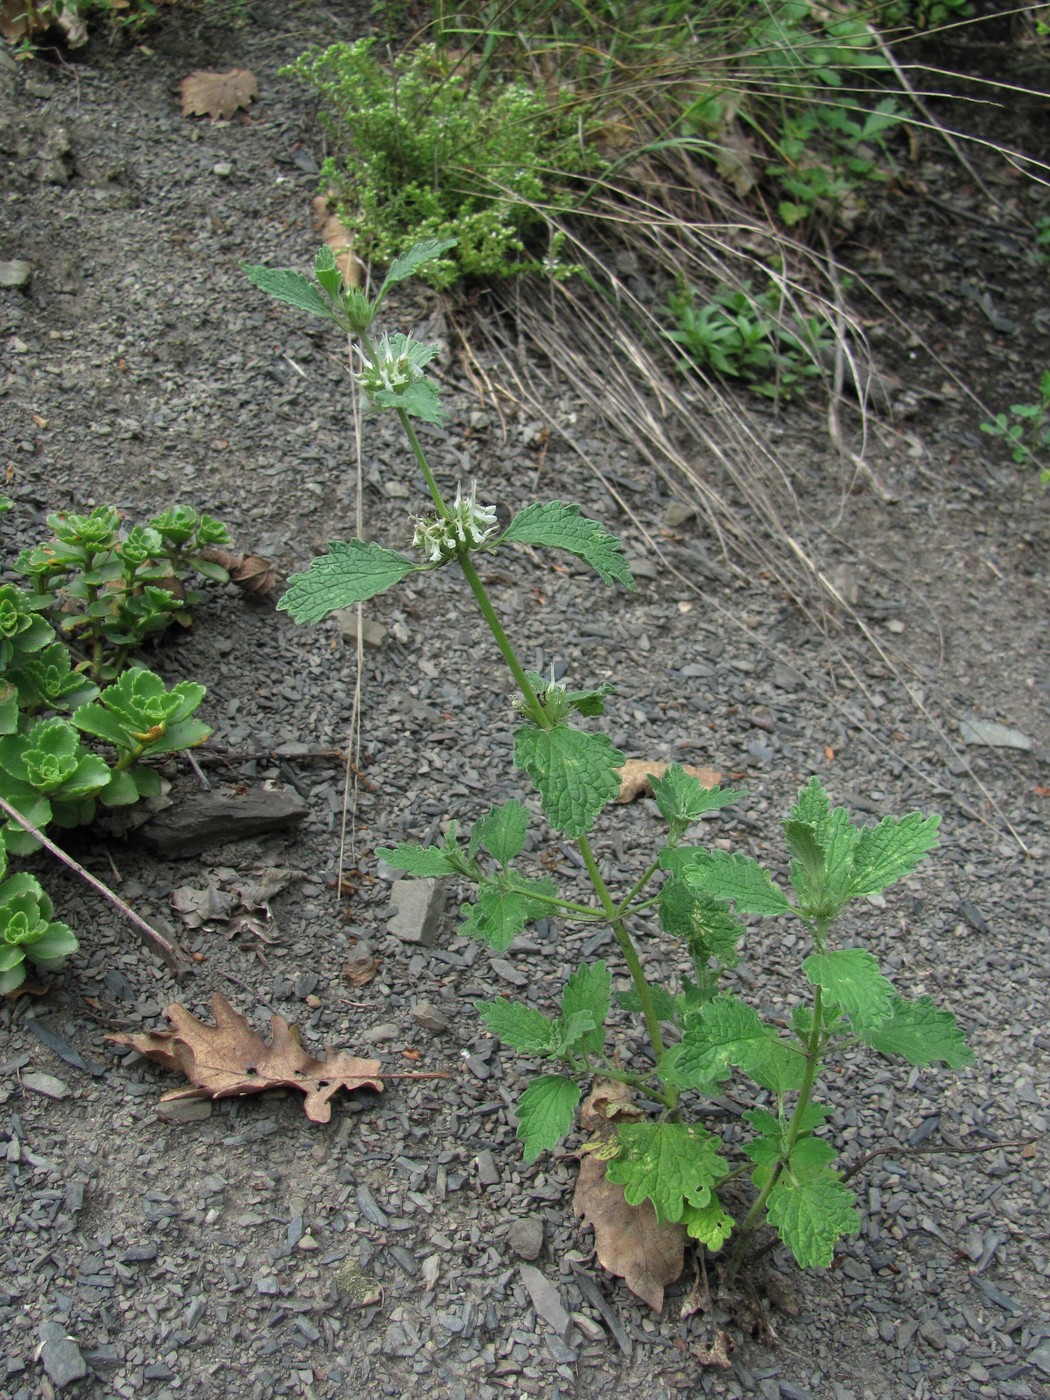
{"x": 467, "y": 526}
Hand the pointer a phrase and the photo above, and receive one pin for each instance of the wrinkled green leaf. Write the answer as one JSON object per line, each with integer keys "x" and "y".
{"x": 545, "y": 1113}
{"x": 408, "y": 264}
{"x": 349, "y": 573}
{"x": 735, "y": 879}
{"x": 674, "y": 1165}
{"x": 575, "y": 773}
{"x": 711, "y": 1224}
{"x": 288, "y": 286}
{"x": 887, "y": 852}
{"x": 501, "y": 832}
{"x": 559, "y": 525}
{"x": 921, "y": 1034}
{"x": 425, "y": 862}
{"x": 682, "y": 799}
{"x": 500, "y": 913}
{"x": 811, "y": 1210}
{"x": 726, "y": 1032}
{"x": 589, "y": 989}
{"x": 852, "y": 979}
{"x": 520, "y": 1027}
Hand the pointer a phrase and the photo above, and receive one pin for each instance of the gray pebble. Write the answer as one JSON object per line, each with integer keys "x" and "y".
{"x": 60, "y": 1355}
{"x": 415, "y": 910}
{"x": 429, "y": 1017}
{"x": 525, "y": 1237}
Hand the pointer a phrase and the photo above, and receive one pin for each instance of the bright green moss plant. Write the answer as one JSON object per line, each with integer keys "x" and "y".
{"x": 700, "y": 1032}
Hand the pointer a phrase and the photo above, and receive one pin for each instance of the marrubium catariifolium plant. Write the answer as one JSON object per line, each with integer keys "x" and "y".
{"x": 700, "y": 1033}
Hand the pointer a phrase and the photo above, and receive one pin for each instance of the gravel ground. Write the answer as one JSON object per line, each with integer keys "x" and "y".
{"x": 251, "y": 1253}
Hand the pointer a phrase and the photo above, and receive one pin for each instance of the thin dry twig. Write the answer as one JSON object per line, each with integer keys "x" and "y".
{"x": 171, "y": 953}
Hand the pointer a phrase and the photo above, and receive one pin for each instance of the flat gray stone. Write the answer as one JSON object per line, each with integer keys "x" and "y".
{"x": 547, "y": 1301}
{"x": 215, "y": 818}
{"x": 46, "y": 1084}
{"x": 992, "y": 736}
{"x": 373, "y": 633}
{"x": 488, "y": 1172}
{"x": 415, "y": 910}
{"x": 15, "y": 273}
{"x": 525, "y": 1237}
{"x": 184, "y": 1110}
{"x": 429, "y": 1017}
{"x": 60, "y": 1355}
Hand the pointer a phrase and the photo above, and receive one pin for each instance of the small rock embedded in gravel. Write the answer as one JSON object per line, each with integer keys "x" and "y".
{"x": 993, "y": 736}
{"x": 46, "y": 1084}
{"x": 373, "y": 633}
{"x": 15, "y": 273}
{"x": 415, "y": 910}
{"x": 184, "y": 1110}
{"x": 429, "y": 1017}
{"x": 547, "y": 1301}
{"x": 60, "y": 1355}
{"x": 525, "y": 1237}
{"x": 388, "y": 1030}
{"x": 488, "y": 1172}
{"x": 215, "y": 818}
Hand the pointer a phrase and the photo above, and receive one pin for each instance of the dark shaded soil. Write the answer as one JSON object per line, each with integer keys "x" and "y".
{"x": 217, "y": 1256}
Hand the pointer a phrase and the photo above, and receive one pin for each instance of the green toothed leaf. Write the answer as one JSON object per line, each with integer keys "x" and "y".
{"x": 291, "y": 287}
{"x": 589, "y": 989}
{"x": 520, "y": 1027}
{"x": 723, "y": 1033}
{"x": 921, "y": 1034}
{"x": 674, "y": 1165}
{"x": 735, "y": 879}
{"x": 424, "y": 862}
{"x": 575, "y": 773}
{"x": 349, "y": 573}
{"x": 545, "y": 1113}
{"x": 892, "y": 849}
{"x": 500, "y": 913}
{"x": 852, "y": 979}
{"x": 408, "y": 264}
{"x": 501, "y": 832}
{"x": 559, "y": 525}
{"x": 711, "y": 1224}
{"x": 811, "y": 1210}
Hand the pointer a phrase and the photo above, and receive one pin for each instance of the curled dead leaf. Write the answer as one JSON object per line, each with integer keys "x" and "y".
{"x": 252, "y": 572}
{"x": 629, "y": 1240}
{"x": 217, "y": 94}
{"x": 339, "y": 238}
{"x": 635, "y": 774}
{"x": 229, "y": 1059}
{"x": 717, "y": 1354}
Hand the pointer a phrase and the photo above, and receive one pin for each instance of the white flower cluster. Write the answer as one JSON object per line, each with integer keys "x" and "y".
{"x": 467, "y": 526}
{"x": 397, "y": 362}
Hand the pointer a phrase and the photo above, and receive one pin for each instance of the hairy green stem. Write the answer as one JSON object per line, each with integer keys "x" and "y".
{"x": 488, "y": 612}
{"x": 424, "y": 465}
{"x": 813, "y": 1057}
{"x": 631, "y": 958}
{"x": 636, "y": 889}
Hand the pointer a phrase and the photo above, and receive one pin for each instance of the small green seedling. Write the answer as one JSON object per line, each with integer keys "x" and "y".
{"x": 1026, "y": 429}
{"x": 700, "y": 1031}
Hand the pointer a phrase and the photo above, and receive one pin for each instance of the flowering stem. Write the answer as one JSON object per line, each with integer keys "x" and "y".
{"x": 424, "y": 465}
{"x": 536, "y": 711}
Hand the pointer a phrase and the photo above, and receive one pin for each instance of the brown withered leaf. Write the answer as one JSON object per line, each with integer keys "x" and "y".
{"x": 629, "y": 1240}
{"x": 217, "y": 94}
{"x": 252, "y": 572}
{"x": 339, "y": 238}
{"x": 634, "y": 776}
{"x": 229, "y": 1059}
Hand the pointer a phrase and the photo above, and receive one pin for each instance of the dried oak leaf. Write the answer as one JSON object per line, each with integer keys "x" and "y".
{"x": 217, "y": 94}
{"x": 634, "y": 776}
{"x": 339, "y": 238}
{"x": 229, "y": 1059}
{"x": 629, "y": 1240}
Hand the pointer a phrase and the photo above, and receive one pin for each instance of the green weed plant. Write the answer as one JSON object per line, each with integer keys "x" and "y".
{"x": 65, "y": 648}
{"x": 747, "y": 335}
{"x": 422, "y": 152}
{"x": 701, "y": 1033}
{"x": 1025, "y": 429}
